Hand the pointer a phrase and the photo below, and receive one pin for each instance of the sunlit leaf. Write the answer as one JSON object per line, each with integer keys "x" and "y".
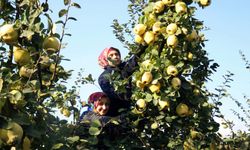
{"x": 62, "y": 12}
{"x": 66, "y": 2}
{"x": 73, "y": 139}
{"x": 96, "y": 123}
{"x": 76, "y": 5}
{"x": 1, "y": 84}
{"x": 57, "y": 146}
{"x": 94, "y": 131}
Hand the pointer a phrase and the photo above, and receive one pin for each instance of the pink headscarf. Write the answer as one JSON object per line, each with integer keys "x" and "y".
{"x": 103, "y": 57}
{"x": 95, "y": 97}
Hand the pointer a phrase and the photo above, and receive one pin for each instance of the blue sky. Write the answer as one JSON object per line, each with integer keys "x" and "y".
{"x": 228, "y": 20}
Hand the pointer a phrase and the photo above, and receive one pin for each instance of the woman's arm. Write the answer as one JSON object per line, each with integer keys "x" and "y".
{"x": 131, "y": 64}
{"x": 107, "y": 88}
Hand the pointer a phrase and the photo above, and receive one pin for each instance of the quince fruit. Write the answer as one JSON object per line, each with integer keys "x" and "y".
{"x": 181, "y": 7}
{"x": 163, "y": 104}
{"x": 155, "y": 88}
{"x": 12, "y": 134}
{"x": 172, "y": 41}
{"x": 141, "y": 104}
{"x": 172, "y": 70}
{"x": 195, "y": 134}
{"x": 8, "y": 34}
{"x": 140, "y": 84}
{"x": 65, "y": 112}
{"x": 21, "y": 56}
{"x": 156, "y": 27}
{"x": 205, "y": 2}
{"x": 146, "y": 78}
{"x": 17, "y": 98}
{"x": 149, "y": 37}
{"x": 182, "y": 110}
{"x": 158, "y": 7}
{"x": 154, "y": 125}
{"x": 192, "y": 36}
{"x": 140, "y": 29}
{"x": 167, "y": 2}
{"x": 176, "y": 83}
{"x": 25, "y": 72}
{"x": 139, "y": 39}
{"x": 51, "y": 44}
{"x": 190, "y": 56}
{"x": 171, "y": 28}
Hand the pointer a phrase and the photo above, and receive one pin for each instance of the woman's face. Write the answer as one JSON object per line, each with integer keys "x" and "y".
{"x": 102, "y": 106}
{"x": 114, "y": 58}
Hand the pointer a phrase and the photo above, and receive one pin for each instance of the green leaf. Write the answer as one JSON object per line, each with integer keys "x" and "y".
{"x": 73, "y": 139}
{"x": 2, "y": 103}
{"x": 68, "y": 34}
{"x": 57, "y": 146}
{"x": 59, "y": 22}
{"x": 66, "y": 2}
{"x": 210, "y": 127}
{"x": 115, "y": 122}
{"x": 22, "y": 119}
{"x": 180, "y": 64}
{"x": 1, "y": 84}
{"x": 76, "y": 5}
{"x": 26, "y": 33}
{"x": 96, "y": 123}
{"x": 149, "y": 8}
{"x": 149, "y": 97}
{"x": 62, "y": 12}
{"x": 2, "y": 48}
{"x": 50, "y": 22}
{"x": 94, "y": 131}
{"x": 93, "y": 140}
{"x": 72, "y": 18}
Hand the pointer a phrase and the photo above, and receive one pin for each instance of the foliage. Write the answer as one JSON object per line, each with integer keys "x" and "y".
{"x": 170, "y": 102}
{"x": 32, "y": 81}
{"x": 179, "y": 68}
{"x": 236, "y": 139}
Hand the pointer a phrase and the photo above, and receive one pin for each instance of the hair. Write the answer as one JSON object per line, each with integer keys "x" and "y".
{"x": 118, "y": 51}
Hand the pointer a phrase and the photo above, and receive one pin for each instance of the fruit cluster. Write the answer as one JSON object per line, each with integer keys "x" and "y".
{"x": 30, "y": 67}
{"x": 150, "y": 29}
{"x": 169, "y": 85}
{"x": 174, "y": 45}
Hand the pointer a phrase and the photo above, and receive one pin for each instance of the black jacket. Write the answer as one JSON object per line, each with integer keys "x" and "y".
{"x": 91, "y": 116}
{"x": 121, "y": 99}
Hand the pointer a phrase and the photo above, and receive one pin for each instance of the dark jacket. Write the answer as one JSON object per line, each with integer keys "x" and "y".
{"x": 121, "y": 99}
{"x": 91, "y": 116}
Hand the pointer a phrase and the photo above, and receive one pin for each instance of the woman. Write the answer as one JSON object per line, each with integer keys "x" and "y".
{"x": 110, "y": 61}
{"x": 100, "y": 104}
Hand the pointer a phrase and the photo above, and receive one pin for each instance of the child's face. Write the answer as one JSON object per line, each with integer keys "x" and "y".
{"x": 102, "y": 106}
{"x": 114, "y": 58}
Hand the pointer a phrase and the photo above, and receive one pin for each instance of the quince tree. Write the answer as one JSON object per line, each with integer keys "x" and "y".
{"x": 171, "y": 75}
{"x": 32, "y": 79}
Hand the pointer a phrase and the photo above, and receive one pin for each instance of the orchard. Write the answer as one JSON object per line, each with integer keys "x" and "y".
{"x": 171, "y": 105}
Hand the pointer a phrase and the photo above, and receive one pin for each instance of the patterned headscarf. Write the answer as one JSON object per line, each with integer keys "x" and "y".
{"x": 103, "y": 57}
{"x": 95, "y": 97}
{"x": 92, "y": 98}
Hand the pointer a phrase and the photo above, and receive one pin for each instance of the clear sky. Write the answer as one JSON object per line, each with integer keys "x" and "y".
{"x": 228, "y": 20}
